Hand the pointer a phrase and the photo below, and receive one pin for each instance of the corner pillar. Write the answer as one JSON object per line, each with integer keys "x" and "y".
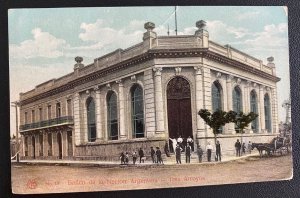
{"x": 159, "y": 110}
{"x": 199, "y": 101}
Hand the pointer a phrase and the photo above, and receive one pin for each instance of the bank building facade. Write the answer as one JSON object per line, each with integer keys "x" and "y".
{"x": 140, "y": 96}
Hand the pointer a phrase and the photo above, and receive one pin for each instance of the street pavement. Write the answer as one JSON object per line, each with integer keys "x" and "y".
{"x": 167, "y": 161}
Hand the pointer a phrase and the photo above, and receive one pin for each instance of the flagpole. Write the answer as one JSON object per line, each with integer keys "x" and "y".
{"x": 175, "y": 20}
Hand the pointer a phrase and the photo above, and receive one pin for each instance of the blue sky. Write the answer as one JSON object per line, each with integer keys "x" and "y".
{"x": 44, "y": 42}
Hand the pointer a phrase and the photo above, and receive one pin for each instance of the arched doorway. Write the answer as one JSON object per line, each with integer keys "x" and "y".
{"x": 59, "y": 143}
{"x": 179, "y": 108}
{"x": 33, "y": 146}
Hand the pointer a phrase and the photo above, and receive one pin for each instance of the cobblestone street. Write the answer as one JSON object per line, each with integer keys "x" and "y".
{"x": 51, "y": 178}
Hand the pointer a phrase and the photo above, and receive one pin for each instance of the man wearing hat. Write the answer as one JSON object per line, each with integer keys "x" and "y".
{"x": 158, "y": 156}
{"x": 178, "y": 154}
{"x": 152, "y": 152}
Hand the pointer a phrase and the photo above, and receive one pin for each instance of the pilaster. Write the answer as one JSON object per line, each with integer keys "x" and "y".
{"x": 149, "y": 104}
{"x": 77, "y": 129}
{"x": 274, "y": 114}
{"x": 159, "y": 110}
{"x": 199, "y": 101}
{"x": 122, "y": 110}
{"x": 230, "y": 126}
{"x": 262, "y": 108}
{"x": 99, "y": 134}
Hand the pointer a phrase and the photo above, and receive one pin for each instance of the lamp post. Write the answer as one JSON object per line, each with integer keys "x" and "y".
{"x": 15, "y": 104}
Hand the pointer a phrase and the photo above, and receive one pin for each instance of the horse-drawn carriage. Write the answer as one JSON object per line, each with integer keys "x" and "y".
{"x": 277, "y": 145}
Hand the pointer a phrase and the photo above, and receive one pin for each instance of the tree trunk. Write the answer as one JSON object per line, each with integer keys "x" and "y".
{"x": 215, "y": 134}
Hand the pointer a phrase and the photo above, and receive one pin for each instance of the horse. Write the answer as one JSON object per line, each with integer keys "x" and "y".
{"x": 262, "y": 147}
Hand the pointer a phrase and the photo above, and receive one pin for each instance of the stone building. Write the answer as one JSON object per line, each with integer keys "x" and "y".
{"x": 140, "y": 96}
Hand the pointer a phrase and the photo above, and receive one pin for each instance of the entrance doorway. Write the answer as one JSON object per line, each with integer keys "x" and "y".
{"x": 33, "y": 146}
{"x": 70, "y": 145}
{"x": 59, "y": 143}
{"x": 179, "y": 109}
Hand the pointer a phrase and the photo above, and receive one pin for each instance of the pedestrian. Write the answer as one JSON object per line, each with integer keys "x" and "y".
{"x": 178, "y": 150}
{"x": 180, "y": 141}
{"x": 190, "y": 141}
{"x": 188, "y": 153}
{"x": 209, "y": 149}
{"x": 218, "y": 151}
{"x": 167, "y": 149}
{"x": 126, "y": 158}
{"x": 199, "y": 153}
{"x": 122, "y": 158}
{"x": 141, "y": 154}
{"x": 152, "y": 152}
{"x": 134, "y": 156}
{"x": 238, "y": 148}
{"x": 174, "y": 143}
{"x": 158, "y": 156}
{"x": 243, "y": 148}
{"x": 249, "y": 147}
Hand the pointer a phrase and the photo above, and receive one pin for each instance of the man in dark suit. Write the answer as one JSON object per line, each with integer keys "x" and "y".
{"x": 238, "y": 147}
{"x": 188, "y": 153}
{"x": 141, "y": 154}
{"x": 178, "y": 154}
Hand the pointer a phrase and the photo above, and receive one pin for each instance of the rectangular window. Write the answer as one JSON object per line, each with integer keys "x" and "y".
{"x": 26, "y": 118}
{"x": 69, "y": 106}
{"x": 32, "y": 116}
{"x": 41, "y": 114}
{"x": 58, "y": 110}
{"x": 49, "y": 112}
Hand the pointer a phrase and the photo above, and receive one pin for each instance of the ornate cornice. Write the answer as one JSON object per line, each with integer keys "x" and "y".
{"x": 149, "y": 55}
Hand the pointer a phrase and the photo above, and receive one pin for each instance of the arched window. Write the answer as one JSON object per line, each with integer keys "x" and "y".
{"x": 253, "y": 108}
{"x": 91, "y": 121}
{"x": 112, "y": 116}
{"x": 216, "y": 92}
{"x": 267, "y": 112}
{"x": 237, "y": 100}
{"x": 137, "y": 111}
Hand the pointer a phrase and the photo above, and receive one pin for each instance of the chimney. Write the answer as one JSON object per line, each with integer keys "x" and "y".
{"x": 202, "y": 33}
{"x": 150, "y": 36}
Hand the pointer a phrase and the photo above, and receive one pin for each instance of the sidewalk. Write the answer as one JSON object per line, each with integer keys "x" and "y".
{"x": 113, "y": 164}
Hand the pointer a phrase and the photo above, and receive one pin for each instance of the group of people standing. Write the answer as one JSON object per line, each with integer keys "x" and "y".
{"x": 242, "y": 147}
{"x": 155, "y": 155}
{"x": 178, "y": 147}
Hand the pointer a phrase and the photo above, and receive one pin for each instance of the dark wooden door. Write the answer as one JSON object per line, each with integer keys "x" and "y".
{"x": 59, "y": 142}
{"x": 70, "y": 145}
{"x": 179, "y": 108}
{"x": 33, "y": 146}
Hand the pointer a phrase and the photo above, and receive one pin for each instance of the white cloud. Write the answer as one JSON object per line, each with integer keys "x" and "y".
{"x": 43, "y": 44}
{"x": 218, "y": 30}
{"x": 107, "y": 37}
{"x": 272, "y": 37}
